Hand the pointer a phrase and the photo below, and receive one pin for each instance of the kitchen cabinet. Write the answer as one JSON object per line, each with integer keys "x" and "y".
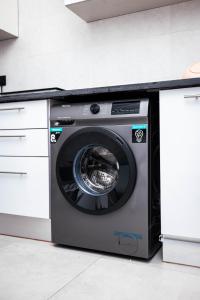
{"x": 180, "y": 174}
{"x": 24, "y": 142}
{"x": 24, "y": 185}
{"x": 24, "y": 169}
{"x": 21, "y": 115}
{"x": 92, "y": 10}
{"x": 8, "y": 19}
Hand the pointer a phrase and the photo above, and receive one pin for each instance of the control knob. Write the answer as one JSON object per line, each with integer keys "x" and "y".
{"x": 95, "y": 109}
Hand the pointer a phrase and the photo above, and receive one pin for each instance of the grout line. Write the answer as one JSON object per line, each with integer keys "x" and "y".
{"x": 75, "y": 277}
{"x": 174, "y": 267}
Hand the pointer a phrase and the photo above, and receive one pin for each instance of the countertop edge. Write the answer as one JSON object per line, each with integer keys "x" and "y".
{"x": 69, "y": 94}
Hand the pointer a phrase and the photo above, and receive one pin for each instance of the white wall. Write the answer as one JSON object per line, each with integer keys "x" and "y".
{"x": 56, "y": 48}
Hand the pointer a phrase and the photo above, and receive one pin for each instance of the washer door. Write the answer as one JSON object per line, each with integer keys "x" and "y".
{"x": 96, "y": 170}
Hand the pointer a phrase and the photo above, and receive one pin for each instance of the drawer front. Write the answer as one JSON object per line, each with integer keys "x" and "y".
{"x": 18, "y": 115}
{"x": 180, "y": 162}
{"x": 24, "y": 186}
{"x": 29, "y": 142}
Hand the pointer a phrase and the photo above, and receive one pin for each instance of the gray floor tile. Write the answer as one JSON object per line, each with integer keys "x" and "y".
{"x": 35, "y": 270}
{"x": 5, "y": 241}
{"x": 157, "y": 262}
{"x": 39, "y": 270}
{"x": 117, "y": 279}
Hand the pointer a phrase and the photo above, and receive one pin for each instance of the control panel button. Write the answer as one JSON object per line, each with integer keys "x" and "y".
{"x": 95, "y": 109}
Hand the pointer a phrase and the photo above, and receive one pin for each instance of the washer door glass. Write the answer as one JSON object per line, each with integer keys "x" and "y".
{"x": 96, "y": 170}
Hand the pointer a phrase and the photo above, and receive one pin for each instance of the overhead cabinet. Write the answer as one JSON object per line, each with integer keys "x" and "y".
{"x": 8, "y": 19}
{"x": 93, "y": 10}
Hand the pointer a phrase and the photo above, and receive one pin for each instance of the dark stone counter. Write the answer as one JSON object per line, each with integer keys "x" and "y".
{"x": 101, "y": 93}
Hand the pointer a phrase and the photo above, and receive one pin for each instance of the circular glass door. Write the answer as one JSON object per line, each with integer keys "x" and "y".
{"x": 96, "y": 170}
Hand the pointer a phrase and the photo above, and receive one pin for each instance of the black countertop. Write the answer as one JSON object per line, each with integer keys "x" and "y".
{"x": 101, "y": 92}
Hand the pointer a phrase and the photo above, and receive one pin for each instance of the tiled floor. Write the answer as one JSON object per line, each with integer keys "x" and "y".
{"x": 38, "y": 270}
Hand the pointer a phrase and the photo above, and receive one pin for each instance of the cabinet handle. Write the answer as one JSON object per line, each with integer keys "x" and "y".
{"x": 12, "y": 108}
{"x": 12, "y": 136}
{"x": 192, "y": 97}
{"x": 13, "y": 173}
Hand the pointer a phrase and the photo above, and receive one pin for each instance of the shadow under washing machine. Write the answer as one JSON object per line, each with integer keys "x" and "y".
{"x": 105, "y": 176}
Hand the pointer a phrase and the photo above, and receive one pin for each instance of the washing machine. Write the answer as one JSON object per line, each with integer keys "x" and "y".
{"x": 105, "y": 176}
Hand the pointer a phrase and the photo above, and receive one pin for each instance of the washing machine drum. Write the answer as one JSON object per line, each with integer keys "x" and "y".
{"x": 96, "y": 170}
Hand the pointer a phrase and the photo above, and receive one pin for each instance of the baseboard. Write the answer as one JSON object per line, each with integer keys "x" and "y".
{"x": 27, "y": 227}
{"x": 181, "y": 252}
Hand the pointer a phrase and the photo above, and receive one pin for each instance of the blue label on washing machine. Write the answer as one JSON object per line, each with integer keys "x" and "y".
{"x": 56, "y": 129}
{"x": 139, "y": 133}
{"x": 55, "y": 133}
{"x": 139, "y": 126}
{"x": 130, "y": 235}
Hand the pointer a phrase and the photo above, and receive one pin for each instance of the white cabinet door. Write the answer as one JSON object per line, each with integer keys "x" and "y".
{"x": 29, "y": 142}
{"x": 180, "y": 162}
{"x": 29, "y": 114}
{"x": 24, "y": 186}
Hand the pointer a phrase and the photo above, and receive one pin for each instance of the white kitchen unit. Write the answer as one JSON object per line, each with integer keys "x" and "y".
{"x": 24, "y": 142}
{"x": 24, "y": 186}
{"x": 93, "y": 10}
{"x": 24, "y": 169}
{"x": 8, "y": 19}
{"x": 180, "y": 175}
{"x": 23, "y": 115}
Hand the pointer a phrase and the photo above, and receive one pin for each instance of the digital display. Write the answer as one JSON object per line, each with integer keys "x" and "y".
{"x": 125, "y": 107}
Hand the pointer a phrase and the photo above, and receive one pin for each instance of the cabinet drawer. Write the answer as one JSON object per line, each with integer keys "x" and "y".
{"x": 18, "y": 115}
{"x": 24, "y": 186}
{"x": 180, "y": 162}
{"x": 29, "y": 142}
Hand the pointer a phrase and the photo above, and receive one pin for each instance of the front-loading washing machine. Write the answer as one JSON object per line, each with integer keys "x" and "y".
{"x": 105, "y": 176}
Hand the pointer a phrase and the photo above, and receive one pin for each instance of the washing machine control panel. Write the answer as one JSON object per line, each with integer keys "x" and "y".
{"x": 124, "y": 108}
{"x": 63, "y": 114}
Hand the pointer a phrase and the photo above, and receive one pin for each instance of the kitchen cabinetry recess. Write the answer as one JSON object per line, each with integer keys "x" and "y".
{"x": 8, "y": 19}
{"x": 24, "y": 169}
{"x": 93, "y": 10}
{"x": 180, "y": 174}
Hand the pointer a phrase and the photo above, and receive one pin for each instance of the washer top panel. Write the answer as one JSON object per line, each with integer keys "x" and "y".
{"x": 101, "y": 110}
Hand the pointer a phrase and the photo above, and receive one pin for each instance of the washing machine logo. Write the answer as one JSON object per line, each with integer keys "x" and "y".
{"x": 129, "y": 235}
{"x": 139, "y": 133}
